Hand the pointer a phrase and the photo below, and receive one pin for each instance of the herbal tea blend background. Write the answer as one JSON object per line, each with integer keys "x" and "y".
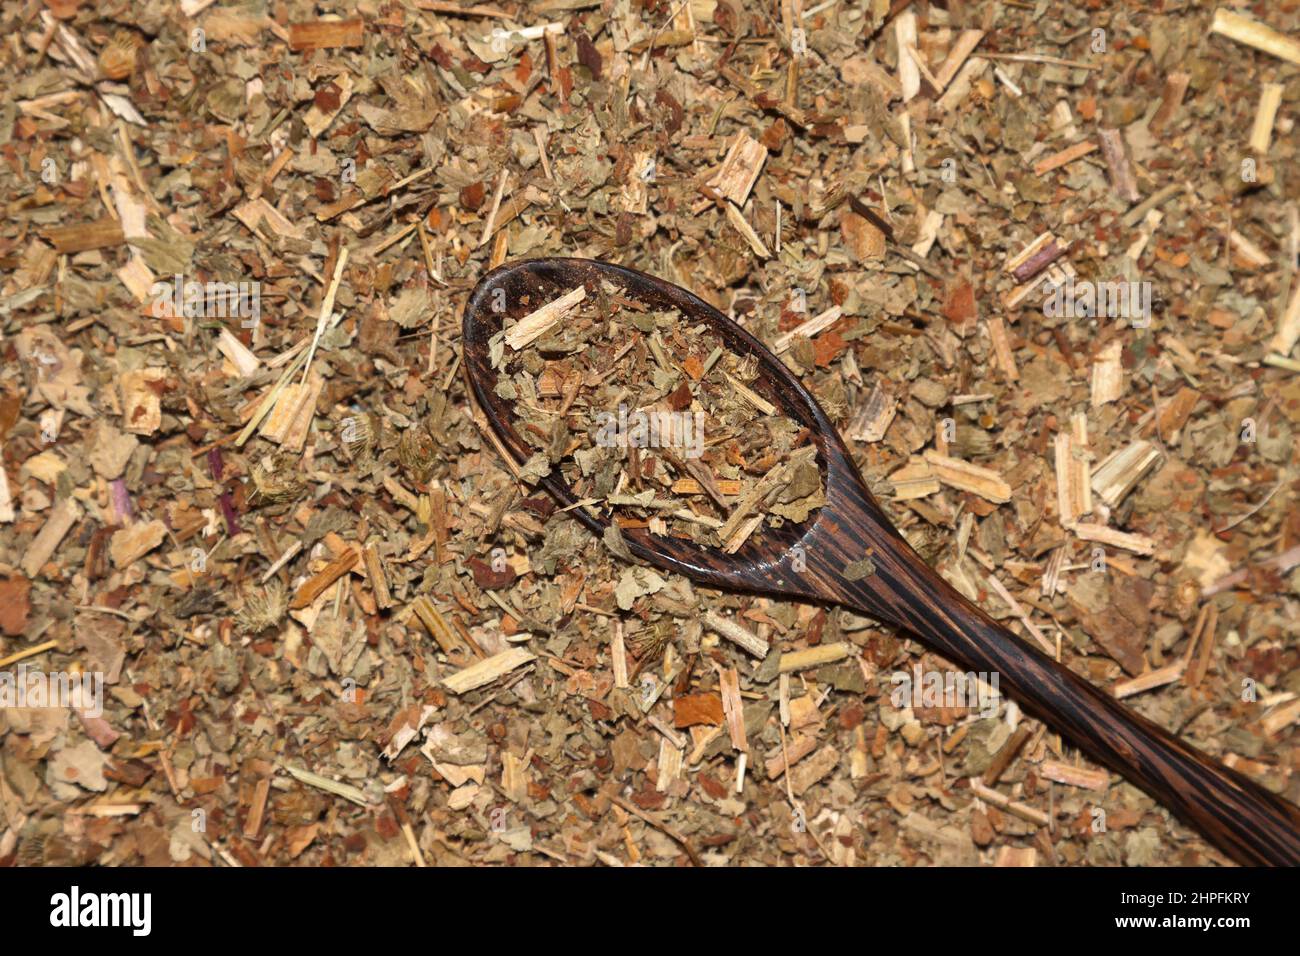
{"x": 241, "y": 479}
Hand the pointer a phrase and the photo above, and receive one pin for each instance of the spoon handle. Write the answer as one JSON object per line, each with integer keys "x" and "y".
{"x": 1247, "y": 822}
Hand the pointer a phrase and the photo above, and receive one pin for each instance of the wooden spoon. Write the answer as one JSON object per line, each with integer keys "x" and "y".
{"x": 1243, "y": 819}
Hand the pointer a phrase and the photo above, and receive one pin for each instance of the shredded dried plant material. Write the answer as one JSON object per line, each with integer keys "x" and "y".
{"x": 652, "y": 421}
{"x": 237, "y": 248}
{"x": 263, "y": 608}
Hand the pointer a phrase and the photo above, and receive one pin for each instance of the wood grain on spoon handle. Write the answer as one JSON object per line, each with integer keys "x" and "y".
{"x": 1239, "y": 816}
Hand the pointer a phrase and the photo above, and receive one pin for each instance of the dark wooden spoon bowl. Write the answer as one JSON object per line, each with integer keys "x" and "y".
{"x": 808, "y": 561}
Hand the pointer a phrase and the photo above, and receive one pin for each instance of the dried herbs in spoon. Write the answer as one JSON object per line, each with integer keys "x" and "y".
{"x": 652, "y": 420}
